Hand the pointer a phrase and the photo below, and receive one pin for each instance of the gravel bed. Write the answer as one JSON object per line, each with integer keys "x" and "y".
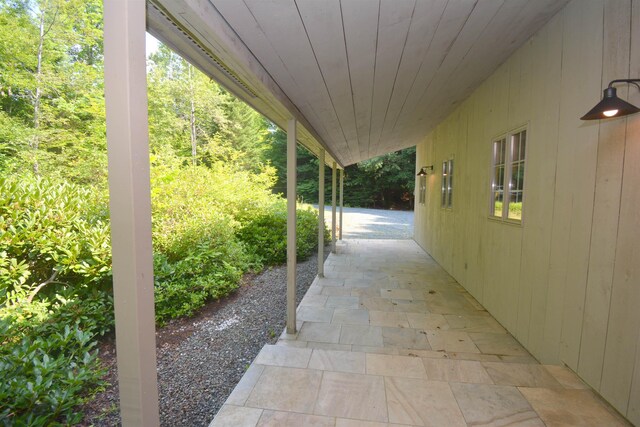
{"x": 200, "y": 360}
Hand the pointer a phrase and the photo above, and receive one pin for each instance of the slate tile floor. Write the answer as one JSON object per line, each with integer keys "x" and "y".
{"x": 388, "y": 338}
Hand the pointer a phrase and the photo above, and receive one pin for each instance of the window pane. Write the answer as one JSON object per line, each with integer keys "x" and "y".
{"x": 450, "y": 184}
{"x": 513, "y": 185}
{"x": 519, "y": 176}
{"x": 515, "y": 147}
{"x": 444, "y": 183}
{"x": 516, "y": 184}
{"x": 498, "y": 152}
{"x": 497, "y": 184}
{"x": 497, "y": 203}
{"x": 498, "y": 191}
{"x": 515, "y": 205}
{"x": 500, "y": 178}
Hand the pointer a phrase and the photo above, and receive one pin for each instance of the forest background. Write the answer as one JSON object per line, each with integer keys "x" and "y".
{"x": 217, "y": 174}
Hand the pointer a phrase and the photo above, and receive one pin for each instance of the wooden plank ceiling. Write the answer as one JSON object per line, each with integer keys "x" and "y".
{"x": 365, "y": 77}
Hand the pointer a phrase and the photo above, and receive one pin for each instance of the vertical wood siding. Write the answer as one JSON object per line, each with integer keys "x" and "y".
{"x": 566, "y": 282}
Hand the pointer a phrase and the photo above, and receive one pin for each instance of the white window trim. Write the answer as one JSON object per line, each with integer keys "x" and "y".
{"x": 507, "y": 176}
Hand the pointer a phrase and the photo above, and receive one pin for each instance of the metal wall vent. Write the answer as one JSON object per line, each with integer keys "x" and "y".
{"x": 219, "y": 64}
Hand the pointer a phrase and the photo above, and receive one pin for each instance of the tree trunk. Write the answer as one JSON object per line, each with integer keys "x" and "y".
{"x": 194, "y": 159}
{"x": 35, "y": 140}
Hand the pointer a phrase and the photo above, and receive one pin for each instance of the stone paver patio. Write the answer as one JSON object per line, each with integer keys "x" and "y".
{"x": 388, "y": 338}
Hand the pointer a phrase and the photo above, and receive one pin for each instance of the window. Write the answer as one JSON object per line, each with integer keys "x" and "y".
{"x": 423, "y": 188}
{"x": 497, "y": 182}
{"x": 508, "y": 169}
{"x": 450, "y": 185}
{"x": 447, "y": 184}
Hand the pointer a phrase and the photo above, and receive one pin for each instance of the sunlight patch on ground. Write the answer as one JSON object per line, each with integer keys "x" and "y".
{"x": 227, "y": 323}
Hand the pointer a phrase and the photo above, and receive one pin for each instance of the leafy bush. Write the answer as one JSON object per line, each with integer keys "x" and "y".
{"x": 210, "y": 225}
{"x": 307, "y": 232}
{"x": 221, "y": 189}
{"x": 55, "y": 267}
{"x": 52, "y": 235}
{"x": 204, "y": 272}
{"x": 197, "y": 255}
{"x": 48, "y": 356}
{"x": 45, "y": 373}
{"x": 266, "y": 234}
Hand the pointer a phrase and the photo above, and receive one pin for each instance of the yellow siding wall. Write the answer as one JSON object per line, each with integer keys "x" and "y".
{"x": 567, "y": 282}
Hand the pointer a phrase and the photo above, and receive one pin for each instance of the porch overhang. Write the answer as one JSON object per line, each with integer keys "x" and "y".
{"x": 362, "y": 78}
{"x": 199, "y": 33}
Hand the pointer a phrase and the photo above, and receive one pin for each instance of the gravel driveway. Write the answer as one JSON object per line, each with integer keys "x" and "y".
{"x": 361, "y": 223}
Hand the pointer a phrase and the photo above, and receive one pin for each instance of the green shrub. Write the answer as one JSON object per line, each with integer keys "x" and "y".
{"x": 48, "y": 357}
{"x": 307, "y": 232}
{"x": 209, "y": 227}
{"x": 221, "y": 189}
{"x": 55, "y": 272}
{"x": 197, "y": 256}
{"x": 52, "y": 236}
{"x": 46, "y": 373}
{"x": 204, "y": 272}
{"x": 266, "y": 234}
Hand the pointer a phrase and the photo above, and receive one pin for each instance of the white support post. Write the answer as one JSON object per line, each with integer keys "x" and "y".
{"x": 130, "y": 207}
{"x": 291, "y": 227}
{"x": 341, "y": 201}
{"x": 333, "y": 207}
{"x": 321, "y": 166}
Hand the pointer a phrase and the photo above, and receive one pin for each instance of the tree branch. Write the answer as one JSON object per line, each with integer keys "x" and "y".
{"x": 42, "y": 285}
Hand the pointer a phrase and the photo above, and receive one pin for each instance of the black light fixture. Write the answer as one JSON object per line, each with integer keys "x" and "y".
{"x": 611, "y": 105}
{"x": 423, "y": 171}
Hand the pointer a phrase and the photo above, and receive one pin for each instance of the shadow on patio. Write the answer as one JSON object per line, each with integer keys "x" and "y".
{"x": 389, "y": 337}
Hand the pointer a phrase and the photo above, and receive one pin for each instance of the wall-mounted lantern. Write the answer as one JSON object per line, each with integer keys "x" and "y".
{"x": 425, "y": 171}
{"x": 612, "y": 106}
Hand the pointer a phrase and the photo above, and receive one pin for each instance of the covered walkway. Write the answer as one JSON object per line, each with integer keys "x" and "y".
{"x": 387, "y": 337}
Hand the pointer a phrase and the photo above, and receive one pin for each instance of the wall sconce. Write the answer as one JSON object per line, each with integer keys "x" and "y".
{"x": 425, "y": 171}
{"x": 611, "y": 105}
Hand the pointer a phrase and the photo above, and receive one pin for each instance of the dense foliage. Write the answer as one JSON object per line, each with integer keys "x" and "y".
{"x": 51, "y": 90}
{"x": 55, "y": 266}
{"x": 382, "y": 182}
{"x": 263, "y": 234}
{"x": 207, "y": 233}
{"x": 55, "y": 273}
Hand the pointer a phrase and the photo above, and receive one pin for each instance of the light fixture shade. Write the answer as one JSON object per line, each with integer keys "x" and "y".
{"x": 612, "y": 104}
{"x": 424, "y": 171}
